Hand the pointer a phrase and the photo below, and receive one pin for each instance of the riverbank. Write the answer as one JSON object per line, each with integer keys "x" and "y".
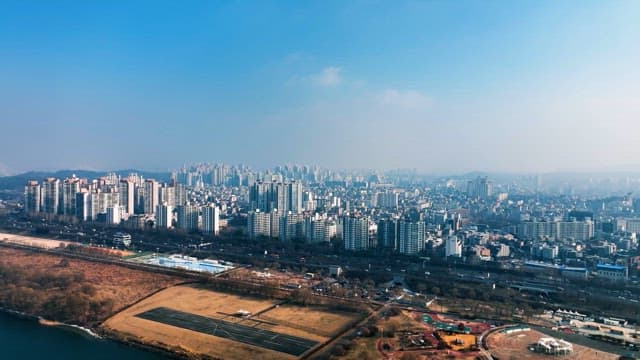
{"x": 75, "y": 295}
{"x": 44, "y": 322}
{"x": 97, "y": 333}
{"x": 70, "y": 327}
{"x": 23, "y": 337}
{"x": 72, "y": 291}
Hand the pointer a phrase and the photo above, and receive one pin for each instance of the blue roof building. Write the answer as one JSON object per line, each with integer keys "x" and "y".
{"x": 612, "y": 272}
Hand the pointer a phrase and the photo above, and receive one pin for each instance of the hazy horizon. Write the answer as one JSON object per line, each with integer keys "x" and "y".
{"x": 623, "y": 171}
{"x": 440, "y": 87}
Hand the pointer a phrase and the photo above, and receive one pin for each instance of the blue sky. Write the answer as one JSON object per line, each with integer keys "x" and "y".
{"x": 441, "y": 86}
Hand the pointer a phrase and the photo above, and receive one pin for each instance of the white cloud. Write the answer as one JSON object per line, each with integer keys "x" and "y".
{"x": 294, "y": 57}
{"x": 405, "y": 99}
{"x": 330, "y": 76}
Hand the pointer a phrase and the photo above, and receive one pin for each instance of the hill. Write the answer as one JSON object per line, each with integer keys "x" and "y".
{"x": 17, "y": 182}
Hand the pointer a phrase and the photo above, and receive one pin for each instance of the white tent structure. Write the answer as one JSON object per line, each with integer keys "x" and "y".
{"x": 553, "y": 346}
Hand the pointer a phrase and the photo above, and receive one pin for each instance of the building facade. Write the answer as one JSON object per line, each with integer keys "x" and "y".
{"x": 355, "y": 233}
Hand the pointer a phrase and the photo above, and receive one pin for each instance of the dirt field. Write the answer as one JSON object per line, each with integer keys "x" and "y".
{"x": 273, "y": 275}
{"x": 290, "y": 320}
{"x": 515, "y": 346}
{"x": 459, "y": 341}
{"x": 52, "y": 244}
{"x": 121, "y": 285}
{"x": 32, "y": 241}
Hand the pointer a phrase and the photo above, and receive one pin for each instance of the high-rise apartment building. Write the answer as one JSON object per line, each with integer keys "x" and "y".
{"x": 411, "y": 236}
{"x": 558, "y": 230}
{"x": 291, "y": 226}
{"x": 150, "y": 196}
{"x": 211, "y": 219}
{"x": 260, "y": 196}
{"x": 355, "y": 232}
{"x": 113, "y": 215}
{"x": 453, "y": 246}
{"x": 180, "y": 194}
{"x": 188, "y": 215}
{"x": 388, "y": 234}
{"x": 167, "y": 194}
{"x": 70, "y": 187}
{"x": 50, "y": 196}
{"x": 32, "y": 197}
{"x": 294, "y": 192}
{"x": 83, "y": 205}
{"x": 387, "y": 199}
{"x": 126, "y": 192}
{"x": 480, "y": 187}
{"x": 108, "y": 197}
{"x": 164, "y": 216}
{"x": 319, "y": 230}
{"x": 263, "y": 224}
{"x": 94, "y": 204}
{"x": 267, "y": 196}
{"x": 308, "y": 201}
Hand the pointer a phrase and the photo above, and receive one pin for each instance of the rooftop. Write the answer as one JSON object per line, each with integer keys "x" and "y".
{"x": 610, "y": 267}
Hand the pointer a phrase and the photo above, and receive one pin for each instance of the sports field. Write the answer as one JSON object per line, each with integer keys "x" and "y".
{"x": 199, "y": 321}
{"x": 252, "y": 335}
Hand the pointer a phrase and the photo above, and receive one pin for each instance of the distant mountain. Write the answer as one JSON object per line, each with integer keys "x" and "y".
{"x": 17, "y": 182}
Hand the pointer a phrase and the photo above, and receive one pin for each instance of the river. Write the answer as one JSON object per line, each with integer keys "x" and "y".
{"x": 28, "y": 340}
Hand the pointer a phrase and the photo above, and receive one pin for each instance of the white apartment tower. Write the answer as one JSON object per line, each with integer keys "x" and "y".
{"x": 355, "y": 233}
{"x": 188, "y": 215}
{"x": 113, "y": 215}
{"x": 453, "y": 246}
{"x": 50, "y": 196}
{"x": 265, "y": 224}
{"x": 411, "y": 236}
{"x": 70, "y": 187}
{"x": 164, "y": 216}
{"x": 291, "y": 226}
{"x": 211, "y": 219}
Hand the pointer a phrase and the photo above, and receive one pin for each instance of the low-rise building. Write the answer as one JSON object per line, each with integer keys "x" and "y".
{"x": 612, "y": 272}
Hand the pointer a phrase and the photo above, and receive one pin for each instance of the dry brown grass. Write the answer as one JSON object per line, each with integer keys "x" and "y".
{"x": 515, "y": 346}
{"x": 467, "y": 341}
{"x": 123, "y": 285}
{"x": 309, "y": 322}
{"x": 290, "y": 320}
{"x": 201, "y": 301}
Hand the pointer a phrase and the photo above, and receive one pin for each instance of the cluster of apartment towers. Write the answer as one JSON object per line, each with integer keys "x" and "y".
{"x": 132, "y": 201}
{"x": 277, "y": 211}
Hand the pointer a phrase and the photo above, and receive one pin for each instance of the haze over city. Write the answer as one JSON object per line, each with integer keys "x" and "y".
{"x": 528, "y": 86}
{"x": 322, "y": 180}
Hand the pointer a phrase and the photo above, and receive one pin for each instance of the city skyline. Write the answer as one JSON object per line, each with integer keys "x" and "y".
{"x": 467, "y": 86}
{"x": 328, "y": 179}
